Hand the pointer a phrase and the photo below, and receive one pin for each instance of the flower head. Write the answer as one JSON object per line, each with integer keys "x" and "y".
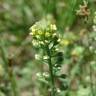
{"x": 42, "y": 32}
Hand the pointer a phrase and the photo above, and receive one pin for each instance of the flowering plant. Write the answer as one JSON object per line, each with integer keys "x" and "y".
{"x": 44, "y": 36}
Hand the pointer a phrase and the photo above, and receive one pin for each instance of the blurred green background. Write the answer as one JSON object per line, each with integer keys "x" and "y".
{"x": 74, "y": 23}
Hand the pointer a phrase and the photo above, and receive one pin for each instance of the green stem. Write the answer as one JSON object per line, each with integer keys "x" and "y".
{"x": 14, "y": 85}
{"x": 91, "y": 83}
{"x": 51, "y": 73}
{"x": 11, "y": 77}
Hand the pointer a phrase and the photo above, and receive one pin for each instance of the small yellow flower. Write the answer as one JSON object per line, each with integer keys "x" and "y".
{"x": 35, "y": 43}
{"x": 53, "y": 27}
{"x": 65, "y": 42}
{"x": 32, "y": 29}
{"x": 47, "y": 34}
{"x": 32, "y": 33}
{"x": 40, "y": 32}
{"x": 38, "y": 36}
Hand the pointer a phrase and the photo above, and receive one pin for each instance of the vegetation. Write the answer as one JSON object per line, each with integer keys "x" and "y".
{"x": 47, "y": 48}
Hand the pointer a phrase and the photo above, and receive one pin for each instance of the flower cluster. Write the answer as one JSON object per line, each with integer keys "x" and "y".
{"x": 45, "y": 37}
{"x": 43, "y": 32}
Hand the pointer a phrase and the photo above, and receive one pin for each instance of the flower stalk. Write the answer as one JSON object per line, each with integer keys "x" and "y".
{"x": 52, "y": 84}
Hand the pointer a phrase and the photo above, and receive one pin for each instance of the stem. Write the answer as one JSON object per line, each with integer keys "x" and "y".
{"x": 9, "y": 74}
{"x": 5, "y": 66}
{"x": 91, "y": 83}
{"x": 14, "y": 85}
{"x": 12, "y": 77}
{"x": 51, "y": 73}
